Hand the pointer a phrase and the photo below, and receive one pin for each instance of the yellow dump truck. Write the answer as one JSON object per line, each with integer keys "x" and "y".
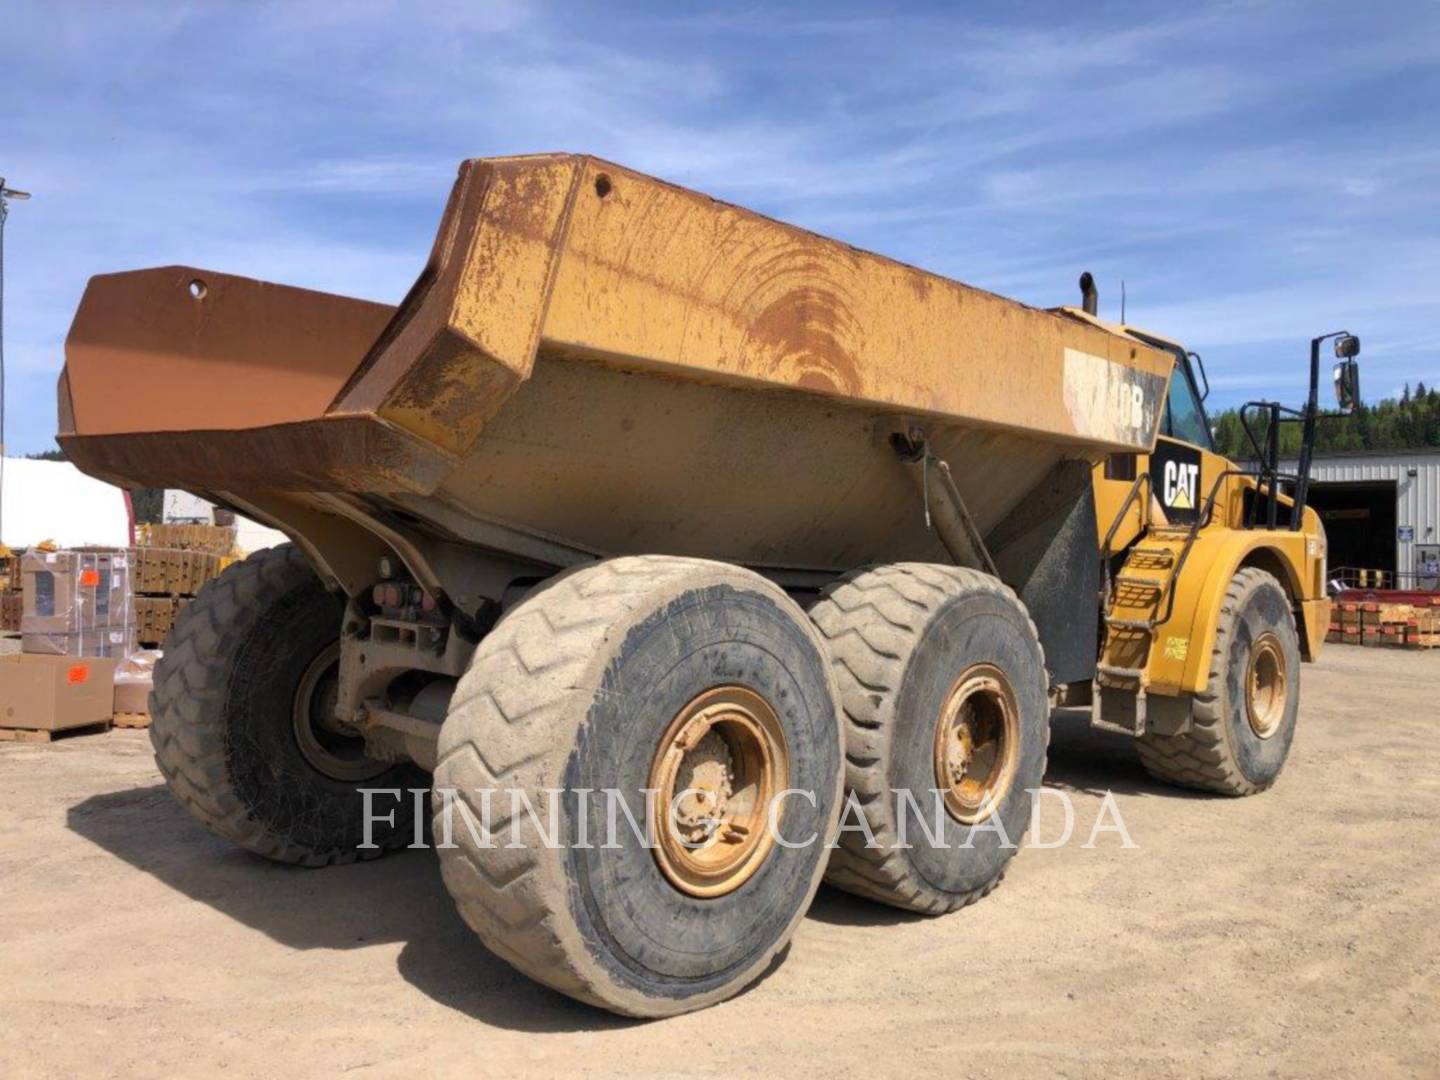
{"x": 642, "y": 508}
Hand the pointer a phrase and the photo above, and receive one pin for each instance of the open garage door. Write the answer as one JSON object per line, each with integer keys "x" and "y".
{"x": 1359, "y": 523}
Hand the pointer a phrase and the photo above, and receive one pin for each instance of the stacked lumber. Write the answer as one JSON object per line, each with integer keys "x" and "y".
{"x": 1412, "y": 624}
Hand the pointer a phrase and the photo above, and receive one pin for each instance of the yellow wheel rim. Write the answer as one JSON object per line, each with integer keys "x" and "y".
{"x": 977, "y": 744}
{"x": 719, "y": 765}
{"x": 1265, "y": 687}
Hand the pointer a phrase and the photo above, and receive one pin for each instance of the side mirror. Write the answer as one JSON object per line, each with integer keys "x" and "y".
{"x": 1347, "y": 381}
{"x": 1347, "y": 346}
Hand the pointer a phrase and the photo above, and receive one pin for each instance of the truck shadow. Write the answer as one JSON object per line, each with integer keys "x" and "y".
{"x": 399, "y": 898}
{"x": 1086, "y": 759}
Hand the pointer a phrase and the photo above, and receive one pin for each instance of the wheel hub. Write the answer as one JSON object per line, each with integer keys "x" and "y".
{"x": 1265, "y": 687}
{"x": 719, "y": 764}
{"x": 977, "y": 744}
{"x": 335, "y": 754}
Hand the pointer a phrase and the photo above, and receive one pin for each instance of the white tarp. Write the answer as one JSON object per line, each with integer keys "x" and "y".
{"x": 53, "y": 500}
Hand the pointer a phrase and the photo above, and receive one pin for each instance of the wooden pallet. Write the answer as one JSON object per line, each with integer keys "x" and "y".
{"x": 132, "y": 720}
{"x": 35, "y": 735}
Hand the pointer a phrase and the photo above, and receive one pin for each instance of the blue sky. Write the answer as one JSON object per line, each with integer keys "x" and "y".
{"x": 1256, "y": 172}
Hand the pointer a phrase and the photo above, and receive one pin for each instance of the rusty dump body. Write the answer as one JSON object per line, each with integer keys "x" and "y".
{"x": 594, "y": 362}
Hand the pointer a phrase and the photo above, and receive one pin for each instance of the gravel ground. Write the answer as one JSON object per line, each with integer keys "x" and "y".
{"x": 1292, "y": 934}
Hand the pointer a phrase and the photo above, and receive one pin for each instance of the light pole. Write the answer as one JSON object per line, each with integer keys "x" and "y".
{"x": 6, "y": 194}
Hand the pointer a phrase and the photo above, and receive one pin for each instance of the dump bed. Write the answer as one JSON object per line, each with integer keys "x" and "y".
{"x": 593, "y": 361}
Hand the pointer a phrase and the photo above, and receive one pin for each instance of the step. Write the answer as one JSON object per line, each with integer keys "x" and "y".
{"x": 1134, "y": 582}
{"x": 1120, "y": 672}
{"x": 1107, "y": 720}
{"x": 1129, "y": 624}
{"x": 1165, "y": 555}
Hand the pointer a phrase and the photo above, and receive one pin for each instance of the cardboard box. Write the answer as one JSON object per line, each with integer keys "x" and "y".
{"x": 114, "y": 642}
{"x": 75, "y": 600}
{"x": 52, "y": 693}
{"x": 134, "y": 678}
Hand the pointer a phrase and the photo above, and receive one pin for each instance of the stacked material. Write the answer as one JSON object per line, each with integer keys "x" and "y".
{"x": 43, "y": 696}
{"x": 77, "y": 603}
{"x": 76, "y": 626}
{"x": 12, "y": 606}
{"x": 12, "y": 602}
{"x": 1410, "y": 624}
{"x": 167, "y": 577}
{"x": 215, "y": 539}
{"x": 134, "y": 679}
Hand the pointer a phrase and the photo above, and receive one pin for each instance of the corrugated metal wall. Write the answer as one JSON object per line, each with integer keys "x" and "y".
{"x": 1417, "y": 497}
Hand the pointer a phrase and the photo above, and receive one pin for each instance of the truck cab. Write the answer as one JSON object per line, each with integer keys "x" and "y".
{"x": 1176, "y": 526}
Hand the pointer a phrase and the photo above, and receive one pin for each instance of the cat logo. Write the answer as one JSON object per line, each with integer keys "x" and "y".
{"x": 1180, "y": 485}
{"x": 1175, "y": 472}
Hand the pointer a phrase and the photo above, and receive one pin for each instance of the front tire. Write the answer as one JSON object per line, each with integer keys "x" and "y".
{"x": 643, "y": 672}
{"x": 1243, "y": 724}
{"x": 238, "y": 720}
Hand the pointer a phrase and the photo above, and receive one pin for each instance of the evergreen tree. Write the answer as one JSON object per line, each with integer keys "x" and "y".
{"x": 1409, "y": 422}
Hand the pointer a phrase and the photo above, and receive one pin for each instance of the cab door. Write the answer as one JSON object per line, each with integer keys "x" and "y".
{"x": 1177, "y": 466}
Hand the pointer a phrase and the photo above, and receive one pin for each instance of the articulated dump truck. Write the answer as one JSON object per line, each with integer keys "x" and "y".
{"x": 640, "y": 493}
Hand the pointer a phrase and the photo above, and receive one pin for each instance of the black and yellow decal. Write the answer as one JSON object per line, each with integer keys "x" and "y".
{"x": 1175, "y": 478}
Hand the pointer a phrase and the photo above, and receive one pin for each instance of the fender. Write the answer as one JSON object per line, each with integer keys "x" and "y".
{"x": 1181, "y": 661}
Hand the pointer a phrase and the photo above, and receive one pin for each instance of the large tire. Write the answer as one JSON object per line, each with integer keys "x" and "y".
{"x": 902, "y": 639}
{"x": 576, "y": 688}
{"x": 1224, "y": 751}
{"x": 223, "y": 725}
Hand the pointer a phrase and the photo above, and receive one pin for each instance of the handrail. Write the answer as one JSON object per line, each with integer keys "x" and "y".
{"x": 1105, "y": 552}
{"x": 1203, "y": 520}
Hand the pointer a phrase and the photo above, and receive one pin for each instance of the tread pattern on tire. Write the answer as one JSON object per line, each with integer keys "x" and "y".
{"x": 189, "y": 697}
{"x": 514, "y": 708}
{"x": 871, "y": 620}
{"x": 1203, "y": 757}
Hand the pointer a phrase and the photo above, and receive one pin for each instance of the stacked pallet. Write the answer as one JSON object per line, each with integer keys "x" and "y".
{"x": 213, "y": 539}
{"x": 165, "y": 581}
{"x": 77, "y": 602}
{"x": 1413, "y": 624}
{"x": 12, "y": 600}
{"x": 172, "y": 562}
{"x": 12, "y": 606}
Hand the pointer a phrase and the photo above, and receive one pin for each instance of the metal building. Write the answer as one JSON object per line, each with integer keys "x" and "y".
{"x": 1381, "y": 512}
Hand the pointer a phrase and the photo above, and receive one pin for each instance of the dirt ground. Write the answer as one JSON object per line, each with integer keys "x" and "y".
{"x": 1293, "y": 934}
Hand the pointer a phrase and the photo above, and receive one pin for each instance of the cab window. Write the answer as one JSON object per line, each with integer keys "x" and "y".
{"x": 1184, "y": 418}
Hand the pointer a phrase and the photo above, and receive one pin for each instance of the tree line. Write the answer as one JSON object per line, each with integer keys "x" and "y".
{"x": 1404, "y": 423}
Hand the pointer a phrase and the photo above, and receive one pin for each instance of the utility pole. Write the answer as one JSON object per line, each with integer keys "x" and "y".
{"x": 6, "y": 194}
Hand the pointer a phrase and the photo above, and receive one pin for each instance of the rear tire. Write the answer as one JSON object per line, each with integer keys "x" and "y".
{"x": 904, "y": 640}
{"x": 578, "y": 688}
{"x": 1238, "y": 740}
{"x": 224, "y": 723}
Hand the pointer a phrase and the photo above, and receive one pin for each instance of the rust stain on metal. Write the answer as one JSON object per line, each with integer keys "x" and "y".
{"x": 582, "y": 345}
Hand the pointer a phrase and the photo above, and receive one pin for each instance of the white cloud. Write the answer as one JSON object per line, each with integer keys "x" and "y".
{"x": 1251, "y": 180}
